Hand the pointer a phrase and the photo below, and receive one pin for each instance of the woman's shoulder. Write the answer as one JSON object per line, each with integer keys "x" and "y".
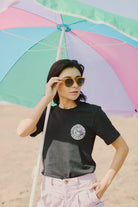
{"x": 90, "y": 107}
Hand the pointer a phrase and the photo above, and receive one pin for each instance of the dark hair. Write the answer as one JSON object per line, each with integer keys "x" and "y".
{"x": 58, "y": 67}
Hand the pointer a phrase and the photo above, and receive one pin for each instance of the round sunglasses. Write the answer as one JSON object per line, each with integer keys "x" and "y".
{"x": 70, "y": 81}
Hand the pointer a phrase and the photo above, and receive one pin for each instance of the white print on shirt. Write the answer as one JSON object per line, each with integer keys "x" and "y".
{"x": 78, "y": 132}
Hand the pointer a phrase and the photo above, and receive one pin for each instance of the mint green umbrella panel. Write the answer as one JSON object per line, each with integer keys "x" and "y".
{"x": 105, "y": 43}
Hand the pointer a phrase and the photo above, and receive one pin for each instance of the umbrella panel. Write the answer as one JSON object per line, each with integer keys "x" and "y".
{"x": 102, "y": 84}
{"x": 29, "y": 74}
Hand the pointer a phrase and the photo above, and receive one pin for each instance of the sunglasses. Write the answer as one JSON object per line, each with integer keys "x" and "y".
{"x": 70, "y": 81}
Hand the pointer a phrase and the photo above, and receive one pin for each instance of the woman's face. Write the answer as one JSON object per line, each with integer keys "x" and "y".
{"x": 73, "y": 92}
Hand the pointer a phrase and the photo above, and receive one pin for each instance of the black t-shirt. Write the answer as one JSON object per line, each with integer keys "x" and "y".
{"x": 70, "y": 138}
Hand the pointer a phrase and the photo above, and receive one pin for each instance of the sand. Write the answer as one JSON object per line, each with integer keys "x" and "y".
{"x": 18, "y": 157}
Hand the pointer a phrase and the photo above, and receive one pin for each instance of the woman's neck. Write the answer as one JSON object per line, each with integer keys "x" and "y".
{"x": 67, "y": 104}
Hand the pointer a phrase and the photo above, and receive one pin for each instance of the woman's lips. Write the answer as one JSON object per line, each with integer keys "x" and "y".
{"x": 74, "y": 92}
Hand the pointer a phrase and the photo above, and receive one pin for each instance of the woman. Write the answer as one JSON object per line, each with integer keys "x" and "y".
{"x": 68, "y": 167}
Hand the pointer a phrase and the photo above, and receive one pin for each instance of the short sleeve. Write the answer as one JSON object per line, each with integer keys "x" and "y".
{"x": 39, "y": 125}
{"x": 104, "y": 127}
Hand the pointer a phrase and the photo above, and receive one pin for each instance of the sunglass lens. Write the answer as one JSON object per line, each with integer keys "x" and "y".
{"x": 80, "y": 81}
{"x": 68, "y": 82}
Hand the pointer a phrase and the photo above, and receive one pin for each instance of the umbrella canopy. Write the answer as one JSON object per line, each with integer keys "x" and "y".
{"x": 29, "y": 39}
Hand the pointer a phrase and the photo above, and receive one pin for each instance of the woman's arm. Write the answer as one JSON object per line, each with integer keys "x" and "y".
{"x": 120, "y": 155}
{"x": 28, "y": 125}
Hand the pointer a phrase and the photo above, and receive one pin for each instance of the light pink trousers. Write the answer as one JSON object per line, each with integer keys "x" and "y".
{"x": 72, "y": 192}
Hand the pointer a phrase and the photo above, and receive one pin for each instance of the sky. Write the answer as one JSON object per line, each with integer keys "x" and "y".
{"x": 127, "y": 8}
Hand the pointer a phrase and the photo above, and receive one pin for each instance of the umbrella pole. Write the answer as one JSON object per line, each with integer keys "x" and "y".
{"x": 37, "y": 168}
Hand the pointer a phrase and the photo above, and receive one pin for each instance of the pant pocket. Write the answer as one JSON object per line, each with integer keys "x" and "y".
{"x": 88, "y": 198}
{"x": 93, "y": 197}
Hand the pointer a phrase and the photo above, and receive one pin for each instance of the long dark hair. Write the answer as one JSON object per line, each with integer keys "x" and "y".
{"x": 58, "y": 67}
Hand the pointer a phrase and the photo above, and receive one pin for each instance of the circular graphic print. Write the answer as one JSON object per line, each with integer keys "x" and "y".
{"x": 78, "y": 132}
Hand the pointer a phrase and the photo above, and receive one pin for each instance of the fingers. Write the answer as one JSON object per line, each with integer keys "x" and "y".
{"x": 93, "y": 186}
{"x": 99, "y": 188}
{"x": 96, "y": 186}
{"x": 53, "y": 81}
{"x": 52, "y": 86}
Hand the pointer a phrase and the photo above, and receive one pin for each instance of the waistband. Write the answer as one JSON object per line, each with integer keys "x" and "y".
{"x": 75, "y": 180}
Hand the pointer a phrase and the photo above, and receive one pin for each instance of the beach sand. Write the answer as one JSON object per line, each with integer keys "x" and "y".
{"x": 18, "y": 156}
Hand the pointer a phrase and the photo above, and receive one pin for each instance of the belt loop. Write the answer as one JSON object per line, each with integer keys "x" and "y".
{"x": 43, "y": 183}
{"x": 78, "y": 180}
{"x": 52, "y": 181}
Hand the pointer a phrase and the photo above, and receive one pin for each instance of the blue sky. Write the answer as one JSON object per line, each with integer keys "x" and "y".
{"x": 127, "y": 8}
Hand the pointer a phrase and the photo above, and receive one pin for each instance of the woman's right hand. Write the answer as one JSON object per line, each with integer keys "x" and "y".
{"x": 52, "y": 87}
{"x": 28, "y": 125}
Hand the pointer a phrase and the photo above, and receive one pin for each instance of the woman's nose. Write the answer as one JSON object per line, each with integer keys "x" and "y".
{"x": 75, "y": 85}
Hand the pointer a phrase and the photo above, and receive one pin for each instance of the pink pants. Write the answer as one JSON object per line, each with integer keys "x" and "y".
{"x": 72, "y": 192}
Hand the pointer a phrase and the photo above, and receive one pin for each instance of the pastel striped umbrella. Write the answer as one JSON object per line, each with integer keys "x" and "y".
{"x": 29, "y": 39}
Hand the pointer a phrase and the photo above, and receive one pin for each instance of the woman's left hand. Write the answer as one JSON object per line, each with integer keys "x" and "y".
{"x": 119, "y": 157}
{"x": 100, "y": 188}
